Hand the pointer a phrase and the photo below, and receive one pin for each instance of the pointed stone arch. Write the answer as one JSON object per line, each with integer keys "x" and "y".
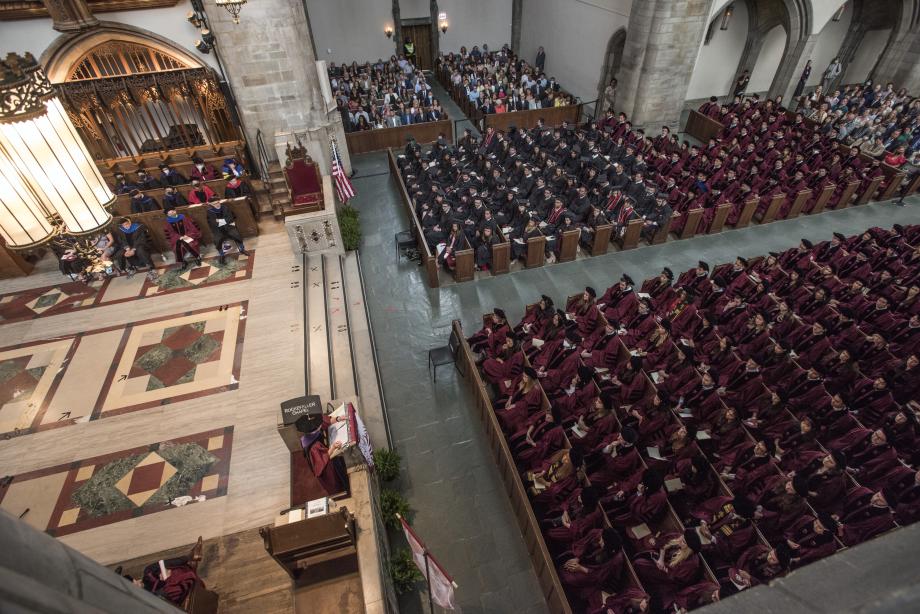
{"x": 613, "y": 58}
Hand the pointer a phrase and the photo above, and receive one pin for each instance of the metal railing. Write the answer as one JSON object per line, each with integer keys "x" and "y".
{"x": 264, "y": 172}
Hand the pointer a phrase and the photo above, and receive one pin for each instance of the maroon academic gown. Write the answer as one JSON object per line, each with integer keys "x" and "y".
{"x": 812, "y": 545}
{"x": 861, "y": 520}
{"x": 320, "y": 462}
{"x": 665, "y": 585}
{"x": 183, "y": 226}
{"x": 602, "y": 568}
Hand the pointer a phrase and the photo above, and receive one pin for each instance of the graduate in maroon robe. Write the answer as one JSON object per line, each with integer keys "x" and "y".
{"x": 811, "y": 538}
{"x": 183, "y": 236}
{"x": 667, "y": 570}
{"x": 525, "y": 400}
{"x": 596, "y": 560}
{"x": 867, "y": 515}
{"x": 492, "y": 335}
{"x": 314, "y": 440}
{"x": 759, "y": 564}
{"x": 578, "y": 518}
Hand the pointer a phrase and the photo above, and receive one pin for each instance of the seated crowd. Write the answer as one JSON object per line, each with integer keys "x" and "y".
{"x": 500, "y": 81}
{"x": 125, "y": 246}
{"x": 171, "y": 181}
{"x": 383, "y": 95}
{"x": 882, "y": 123}
{"x": 690, "y": 438}
{"x": 544, "y": 181}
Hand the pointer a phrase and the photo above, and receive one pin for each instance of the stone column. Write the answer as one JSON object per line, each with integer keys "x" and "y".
{"x": 662, "y": 41}
{"x": 517, "y": 10}
{"x": 70, "y": 15}
{"x": 435, "y": 31}
{"x": 791, "y": 66}
{"x": 279, "y": 86}
{"x": 900, "y": 62}
{"x": 41, "y": 574}
{"x": 397, "y": 28}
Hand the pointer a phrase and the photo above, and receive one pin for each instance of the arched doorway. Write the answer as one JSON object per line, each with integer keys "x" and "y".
{"x": 610, "y": 68}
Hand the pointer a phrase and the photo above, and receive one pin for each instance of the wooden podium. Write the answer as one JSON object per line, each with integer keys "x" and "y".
{"x": 314, "y": 549}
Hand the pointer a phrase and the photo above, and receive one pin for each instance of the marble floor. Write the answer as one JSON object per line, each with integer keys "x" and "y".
{"x": 137, "y": 415}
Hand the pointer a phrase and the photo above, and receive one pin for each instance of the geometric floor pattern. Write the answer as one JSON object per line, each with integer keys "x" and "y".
{"x": 76, "y": 296}
{"x": 114, "y": 370}
{"x": 176, "y": 358}
{"x": 29, "y": 376}
{"x": 126, "y": 484}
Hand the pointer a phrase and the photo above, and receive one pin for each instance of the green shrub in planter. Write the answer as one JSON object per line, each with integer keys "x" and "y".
{"x": 386, "y": 463}
{"x": 392, "y": 503}
{"x": 350, "y": 227}
{"x": 404, "y": 572}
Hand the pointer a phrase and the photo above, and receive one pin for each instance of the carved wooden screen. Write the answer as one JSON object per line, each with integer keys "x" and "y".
{"x": 129, "y": 99}
{"x": 121, "y": 58}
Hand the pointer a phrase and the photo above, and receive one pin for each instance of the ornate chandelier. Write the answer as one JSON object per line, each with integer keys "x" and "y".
{"x": 233, "y": 7}
{"x": 49, "y": 184}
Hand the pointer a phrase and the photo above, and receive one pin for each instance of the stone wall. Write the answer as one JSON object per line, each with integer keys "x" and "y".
{"x": 269, "y": 60}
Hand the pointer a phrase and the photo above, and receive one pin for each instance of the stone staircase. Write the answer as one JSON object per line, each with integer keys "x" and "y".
{"x": 277, "y": 190}
{"x": 339, "y": 343}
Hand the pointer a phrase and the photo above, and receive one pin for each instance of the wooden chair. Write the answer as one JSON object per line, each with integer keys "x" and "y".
{"x": 303, "y": 179}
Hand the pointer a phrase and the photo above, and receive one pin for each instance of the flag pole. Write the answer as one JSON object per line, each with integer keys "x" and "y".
{"x": 428, "y": 578}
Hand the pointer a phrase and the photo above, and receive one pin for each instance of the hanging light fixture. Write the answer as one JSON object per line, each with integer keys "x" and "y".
{"x": 233, "y": 7}
{"x": 49, "y": 184}
{"x": 839, "y": 14}
{"x": 727, "y": 16}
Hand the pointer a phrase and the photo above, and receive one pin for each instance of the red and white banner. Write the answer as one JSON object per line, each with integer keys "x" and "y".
{"x": 440, "y": 584}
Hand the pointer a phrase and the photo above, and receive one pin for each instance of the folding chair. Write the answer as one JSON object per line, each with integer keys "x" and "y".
{"x": 444, "y": 355}
{"x": 404, "y": 240}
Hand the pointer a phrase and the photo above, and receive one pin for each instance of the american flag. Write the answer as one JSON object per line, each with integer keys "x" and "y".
{"x": 343, "y": 186}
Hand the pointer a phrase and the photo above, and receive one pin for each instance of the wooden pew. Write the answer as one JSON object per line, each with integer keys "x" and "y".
{"x": 914, "y": 185}
{"x": 501, "y": 255}
{"x": 155, "y": 221}
{"x": 179, "y": 160}
{"x": 694, "y": 217}
{"x": 601, "y": 241}
{"x": 122, "y": 204}
{"x": 630, "y": 238}
{"x": 552, "y": 116}
{"x": 869, "y": 192}
{"x": 770, "y": 214}
{"x": 893, "y": 178}
{"x": 747, "y": 214}
{"x": 847, "y": 196}
{"x": 384, "y": 138}
{"x": 465, "y": 264}
{"x": 536, "y": 252}
{"x": 569, "y": 248}
{"x": 799, "y": 202}
{"x": 661, "y": 235}
{"x": 823, "y": 199}
{"x": 540, "y": 557}
{"x": 701, "y": 127}
{"x": 718, "y": 221}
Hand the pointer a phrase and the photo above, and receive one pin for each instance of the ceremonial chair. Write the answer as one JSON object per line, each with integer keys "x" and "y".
{"x": 444, "y": 355}
{"x": 303, "y": 179}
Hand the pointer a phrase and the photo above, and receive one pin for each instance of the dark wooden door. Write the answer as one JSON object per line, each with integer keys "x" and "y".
{"x": 421, "y": 36}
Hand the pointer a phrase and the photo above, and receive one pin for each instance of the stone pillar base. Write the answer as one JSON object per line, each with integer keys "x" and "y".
{"x": 317, "y": 232}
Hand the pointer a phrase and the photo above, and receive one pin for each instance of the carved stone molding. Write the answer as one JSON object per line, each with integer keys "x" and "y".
{"x": 32, "y": 9}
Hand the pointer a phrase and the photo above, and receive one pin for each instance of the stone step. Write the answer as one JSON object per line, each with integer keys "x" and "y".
{"x": 314, "y": 297}
{"x": 337, "y": 319}
{"x": 371, "y": 406}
